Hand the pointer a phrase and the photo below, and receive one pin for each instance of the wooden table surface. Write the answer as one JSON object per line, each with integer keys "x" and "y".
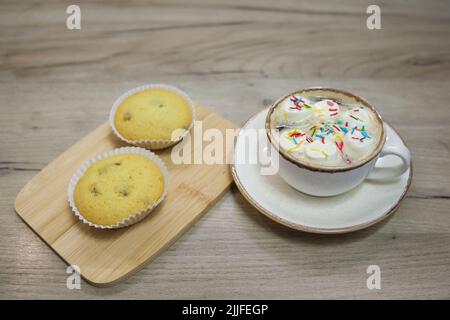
{"x": 236, "y": 57}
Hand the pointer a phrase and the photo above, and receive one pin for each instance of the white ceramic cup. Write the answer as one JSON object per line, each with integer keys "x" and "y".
{"x": 322, "y": 181}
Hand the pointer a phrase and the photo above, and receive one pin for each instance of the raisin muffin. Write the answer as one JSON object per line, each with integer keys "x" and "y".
{"x": 118, "y": 187}
{"x": 153, "y": 116}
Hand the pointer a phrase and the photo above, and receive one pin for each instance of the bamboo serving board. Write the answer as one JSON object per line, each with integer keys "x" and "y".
{"x": 108, "y": 256}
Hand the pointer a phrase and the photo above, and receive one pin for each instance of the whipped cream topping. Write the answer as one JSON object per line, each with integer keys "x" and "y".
{"x": 327, "y": 109}
{"x": 296, "y": 111}
{"x": 321, "y": 150}
{"x": 324, "y": 132}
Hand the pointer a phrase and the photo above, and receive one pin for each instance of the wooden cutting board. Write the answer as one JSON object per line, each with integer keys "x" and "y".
{"x": 108, "y": 256}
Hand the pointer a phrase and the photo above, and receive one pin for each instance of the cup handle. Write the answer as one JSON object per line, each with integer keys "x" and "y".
{"x": 391, "y": 147}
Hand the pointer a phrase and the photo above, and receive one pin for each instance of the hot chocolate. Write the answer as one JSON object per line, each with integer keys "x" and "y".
{"x": 326, "y": 129}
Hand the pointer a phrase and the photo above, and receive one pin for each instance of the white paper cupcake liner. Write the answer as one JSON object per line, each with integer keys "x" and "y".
{"x": 151, "y": 144}
{"x": 125, "y": 150}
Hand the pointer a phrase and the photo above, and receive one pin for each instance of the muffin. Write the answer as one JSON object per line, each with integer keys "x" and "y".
{"x": 152, "y": 116}
{"x": 118, "y": 188}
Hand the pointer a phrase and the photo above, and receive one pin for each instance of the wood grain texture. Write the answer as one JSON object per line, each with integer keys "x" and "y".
{"x": 235, "y": 56}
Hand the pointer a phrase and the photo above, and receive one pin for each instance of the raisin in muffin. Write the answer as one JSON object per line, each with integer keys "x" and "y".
{"x": 118, "y": 187}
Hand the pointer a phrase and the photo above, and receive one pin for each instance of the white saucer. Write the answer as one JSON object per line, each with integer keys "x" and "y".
{"x": 367, "y": 204}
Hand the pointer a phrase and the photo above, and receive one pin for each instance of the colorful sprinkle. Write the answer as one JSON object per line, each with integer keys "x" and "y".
{"x": 295, "y": 147}
{"x": 295, "y": 133}
{"x": 365, "y": 135}
{"x": 336, "y": 127}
